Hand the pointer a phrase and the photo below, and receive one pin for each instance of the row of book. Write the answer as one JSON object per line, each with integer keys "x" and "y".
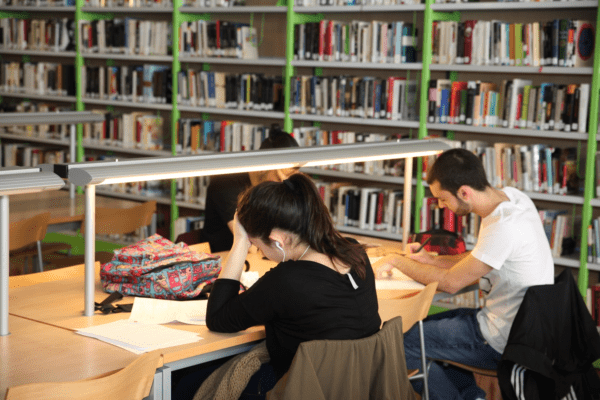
{"x": 24, "y": 154}
{"x": 531, "y": 168}
{"x": 130, "y": 3}
{"x": 515, "y": 104}
{"x": 214, "y": 3}
{"x": 356, "y": 41}
{"x": 394, "y": 98}
{"x": 38, "y": 78}
{"x": 88, "y": 3}
{"x": 37, "y": 34}
{"x": 37, "y": 3}
{"x": 55, "y": 131}
{"x": 593, "y": 241}
{"x": 148, "y": 83}
{"x": 314, "y": 136}
{"x": 136, "y": 130}
{"x": 434, "y": 217}
{"x": 366, "y": 208}
{"x": 558, "y": 43}
{"x": 188, "y": 224}
{"x": 560, "y": 228}
{"x": 227, "y": 90}
{"x": 126, "y": 36}
{"x": 313, "y": 3}
{"x": 526, "y": 1}
{"x": 196, "y": 135}
{"x": 218, "y": 39}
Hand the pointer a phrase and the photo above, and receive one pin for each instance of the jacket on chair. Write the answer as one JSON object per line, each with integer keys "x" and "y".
{"x": 372, "y": 368}
{"x": 551, "y": 347}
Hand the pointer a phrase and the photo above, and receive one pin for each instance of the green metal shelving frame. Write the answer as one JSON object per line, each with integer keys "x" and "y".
{"x": 293, "y": 19}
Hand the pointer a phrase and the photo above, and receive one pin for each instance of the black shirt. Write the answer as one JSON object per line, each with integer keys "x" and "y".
{"x": 297, "y": 301}
{"x": 221, "y": 201}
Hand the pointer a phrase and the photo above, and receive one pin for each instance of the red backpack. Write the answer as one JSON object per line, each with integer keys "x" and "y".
{"x": 441, "y": 241}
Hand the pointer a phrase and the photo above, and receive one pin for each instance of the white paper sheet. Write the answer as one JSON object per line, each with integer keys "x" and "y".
{"x": 398, "y": 280}
{"x": 139, "y": 338}
{"x": 157, "y": 311}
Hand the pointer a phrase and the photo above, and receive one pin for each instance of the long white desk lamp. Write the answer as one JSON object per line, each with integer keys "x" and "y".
{"x": 17, "y": 180}
{"x": 90, "y": 174}
{"x": 71, "y": 118}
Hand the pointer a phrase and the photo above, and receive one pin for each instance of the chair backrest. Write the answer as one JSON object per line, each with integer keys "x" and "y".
{"x": 130, "y": 383}
{"x": 415, "y": 308}
{"x": 369, "y": 368}
{"x": 28, "y": 231}
{"x": 123, "y": 220}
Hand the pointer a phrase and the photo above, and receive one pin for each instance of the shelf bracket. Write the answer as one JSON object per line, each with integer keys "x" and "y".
{"x": 300, "y": 19}
{"x": 87, "y": 16}
{"x": 184, "y": 17}
{"x": 444, "y": 16}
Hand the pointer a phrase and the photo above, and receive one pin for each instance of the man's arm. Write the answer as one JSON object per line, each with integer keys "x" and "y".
{"x": 450, "y": 274}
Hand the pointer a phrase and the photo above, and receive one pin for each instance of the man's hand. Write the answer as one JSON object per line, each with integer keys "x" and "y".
{"x": 384, "y": 266}
{"x": 422, "y": 256}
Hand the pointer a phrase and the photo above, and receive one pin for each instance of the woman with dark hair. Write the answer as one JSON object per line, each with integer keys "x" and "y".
{"x": 322, "y": 288}
{"x": 223, "y": 191}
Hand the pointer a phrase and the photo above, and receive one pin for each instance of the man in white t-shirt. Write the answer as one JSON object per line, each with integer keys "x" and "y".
{"x": 511, "y": 254}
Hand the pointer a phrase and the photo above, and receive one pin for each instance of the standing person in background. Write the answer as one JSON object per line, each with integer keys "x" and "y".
{"x": 512, "y": 253}
{"x": 222, "y": 195}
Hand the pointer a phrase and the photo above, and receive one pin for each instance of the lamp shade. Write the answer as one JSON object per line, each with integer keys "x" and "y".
{"x": 156, "y": 168}
{"x": 20, "y": 180}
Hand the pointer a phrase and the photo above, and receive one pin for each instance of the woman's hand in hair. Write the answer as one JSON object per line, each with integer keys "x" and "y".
{"x": 239, "y": 233}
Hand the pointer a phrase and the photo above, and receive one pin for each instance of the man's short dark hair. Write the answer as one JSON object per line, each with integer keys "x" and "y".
{"x": 457, "y": 167}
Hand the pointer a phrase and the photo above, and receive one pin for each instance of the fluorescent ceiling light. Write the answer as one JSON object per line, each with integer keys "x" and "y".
{"x": 155, "y": 168}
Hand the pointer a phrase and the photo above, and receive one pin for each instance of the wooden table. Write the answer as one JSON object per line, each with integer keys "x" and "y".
{"x": 52, "y": 303}
{"x": 65, "y": 213}
{"x": 36, "y": 352}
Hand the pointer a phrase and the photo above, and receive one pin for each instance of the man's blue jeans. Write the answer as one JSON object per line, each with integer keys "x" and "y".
{"x": 451, "y": 335}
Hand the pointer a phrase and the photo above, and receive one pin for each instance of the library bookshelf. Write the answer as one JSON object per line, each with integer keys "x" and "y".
{"x": 278, "y": 36}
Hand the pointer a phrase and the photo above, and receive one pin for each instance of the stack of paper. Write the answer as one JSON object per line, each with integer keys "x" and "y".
{"x": 139, "y": 338}
{"x": 158, "y": 311}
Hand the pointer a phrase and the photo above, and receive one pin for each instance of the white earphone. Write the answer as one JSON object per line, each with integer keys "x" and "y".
{"x": 278, "y": 245}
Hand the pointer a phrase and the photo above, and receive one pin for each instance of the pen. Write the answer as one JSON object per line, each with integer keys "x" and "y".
{"x": 423, "y": 244}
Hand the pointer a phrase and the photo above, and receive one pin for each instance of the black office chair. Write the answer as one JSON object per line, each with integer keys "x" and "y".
{"x": 551, "y": 346}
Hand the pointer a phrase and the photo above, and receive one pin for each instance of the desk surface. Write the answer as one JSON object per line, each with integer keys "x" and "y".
{"x": 46, "y": 308}
{"x": 62, "y": 208}
{"x": 36, "y": 352}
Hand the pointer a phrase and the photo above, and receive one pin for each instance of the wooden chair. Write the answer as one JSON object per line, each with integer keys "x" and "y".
{"x": 25, "y": 240}
{"x": 130, "y": 383}
{"x": 115, "y": 221}
{"x": 414, "y": 310}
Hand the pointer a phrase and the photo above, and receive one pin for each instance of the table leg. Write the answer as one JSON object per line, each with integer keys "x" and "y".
{"x": 4, "y": 257}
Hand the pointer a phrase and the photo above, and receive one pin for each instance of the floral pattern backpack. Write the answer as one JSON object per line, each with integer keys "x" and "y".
{"x": 156, "y": 267}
